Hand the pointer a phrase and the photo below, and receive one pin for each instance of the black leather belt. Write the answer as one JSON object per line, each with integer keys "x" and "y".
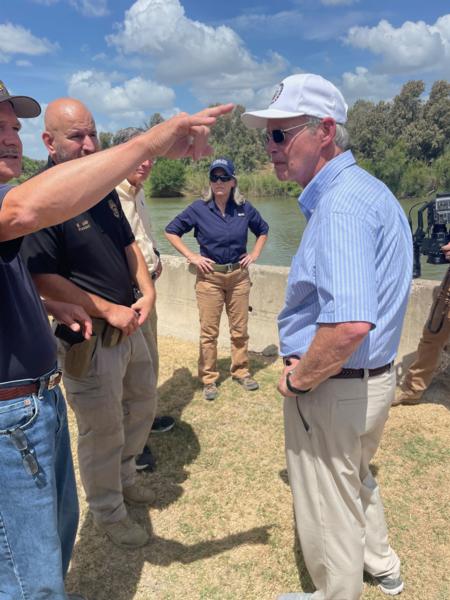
{"x": 359, "y": 373}
{"x": 347, "y": 373}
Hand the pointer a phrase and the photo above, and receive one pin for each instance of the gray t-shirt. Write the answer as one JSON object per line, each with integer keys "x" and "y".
{"x": 27, "y": 345}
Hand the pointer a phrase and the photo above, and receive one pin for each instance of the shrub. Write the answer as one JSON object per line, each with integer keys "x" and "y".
{"x": 167, "y": 179}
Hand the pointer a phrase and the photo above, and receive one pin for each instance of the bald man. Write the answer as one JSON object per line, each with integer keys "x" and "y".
{"x": 93, "y": 260}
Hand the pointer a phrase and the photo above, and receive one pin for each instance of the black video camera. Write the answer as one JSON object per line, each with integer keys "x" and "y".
{"x": 430, "y": 240}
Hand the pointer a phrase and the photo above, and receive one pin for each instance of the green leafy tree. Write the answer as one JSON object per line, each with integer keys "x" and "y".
{"x": 407, "y": 107}
{"x": 155, "y": 119}
{"x": 416, "y": 180}
{"x": 105, "y": 138}
{"x": 441, "y": 170}
{"x": 30, "y": 168}
{"x": 167, "y": 178}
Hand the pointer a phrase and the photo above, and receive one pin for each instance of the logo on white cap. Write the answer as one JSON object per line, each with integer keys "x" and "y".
{"x": 277, "y": 93}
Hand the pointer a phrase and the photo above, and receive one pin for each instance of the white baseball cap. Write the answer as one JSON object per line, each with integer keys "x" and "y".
{"x": 297, "y": 95}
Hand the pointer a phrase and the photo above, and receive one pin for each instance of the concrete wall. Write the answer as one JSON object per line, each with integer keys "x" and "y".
{"x": 178, "y": 315}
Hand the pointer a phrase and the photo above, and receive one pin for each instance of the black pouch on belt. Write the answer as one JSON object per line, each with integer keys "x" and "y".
{"x": 79, "y": 351}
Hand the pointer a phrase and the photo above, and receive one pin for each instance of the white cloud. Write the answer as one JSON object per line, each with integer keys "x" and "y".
{"x": 369, "y": 86}
{"x": 30, "y": 134}
{"x": 277, "y": 24}
{"x": 214, "y": 60}
{"x": 91, "y": 8}
{"x": 131, "y": 101}
{"x": 411, "y": 47}
{"x": 23, "y": 63}
{"x": 15, "y": 39}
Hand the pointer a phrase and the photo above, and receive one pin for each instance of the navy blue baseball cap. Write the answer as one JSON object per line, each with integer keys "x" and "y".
{"x": 223, "y": 163}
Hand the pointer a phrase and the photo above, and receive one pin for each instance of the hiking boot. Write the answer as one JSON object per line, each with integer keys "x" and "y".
{"x": 247, "y": 382}
{"x": 162, "y": 424}
{"x": 210, "y": 391}
{"x": 125, "y": 533}
{"x": 403, "y": 398}
{"x": 295, "y": 596}
{"x": 390, "y": 585}
{"x": 146, "y": 461}
{"x": 135, "y": 494}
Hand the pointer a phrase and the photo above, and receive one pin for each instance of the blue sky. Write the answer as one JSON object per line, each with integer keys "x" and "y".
{"x": 127, "y": 60}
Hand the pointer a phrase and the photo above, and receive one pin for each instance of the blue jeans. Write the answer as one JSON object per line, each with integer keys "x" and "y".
{"x": 38, "y": 497}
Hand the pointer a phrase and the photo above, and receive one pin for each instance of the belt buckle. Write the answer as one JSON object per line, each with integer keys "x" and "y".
{"x": 54, "y": 379}
{"x": 229, "y": 267}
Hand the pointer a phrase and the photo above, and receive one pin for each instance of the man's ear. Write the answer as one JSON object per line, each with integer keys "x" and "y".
{"x": 328, "y": 127}
{"x": 47, "y": 138}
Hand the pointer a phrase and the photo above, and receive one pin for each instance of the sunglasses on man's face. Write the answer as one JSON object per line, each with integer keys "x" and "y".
{"x": 279, "y": 135}
{"x": 222, "y": 178}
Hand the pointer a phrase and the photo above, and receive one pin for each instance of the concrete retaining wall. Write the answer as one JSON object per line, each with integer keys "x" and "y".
{"x": 178, "y": 315}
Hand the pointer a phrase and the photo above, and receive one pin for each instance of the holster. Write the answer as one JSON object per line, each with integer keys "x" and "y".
{"x": 78, "y": 357}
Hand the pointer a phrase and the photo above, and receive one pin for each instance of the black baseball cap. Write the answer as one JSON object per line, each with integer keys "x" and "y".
{"x": 24, "y": 106}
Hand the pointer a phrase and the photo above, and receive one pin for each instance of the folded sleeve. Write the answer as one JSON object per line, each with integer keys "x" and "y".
{"x": 346, "y": 270}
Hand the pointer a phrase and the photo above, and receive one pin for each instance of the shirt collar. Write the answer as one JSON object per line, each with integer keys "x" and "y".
{"x": 230, "y": 206}
{"x": 128, "y": 188}
{"x": 310, "y": 196}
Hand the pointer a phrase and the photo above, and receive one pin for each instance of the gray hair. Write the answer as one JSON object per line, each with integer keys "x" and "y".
{"x": 235, "y": 195}
{"x": 124, "y": 135}
{"x": 342, "y": 137}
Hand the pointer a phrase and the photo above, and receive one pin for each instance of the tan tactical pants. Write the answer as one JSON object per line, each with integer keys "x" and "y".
{"x": 332, "y": 433}
{"x": 150, "y": 330}
{"x": 214, "y": 291}
{"x": 114, "y": 406}
{"x": 420, "y": 373}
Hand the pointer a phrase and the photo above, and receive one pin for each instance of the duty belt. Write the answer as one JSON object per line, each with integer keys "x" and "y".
{"x": 226, "y": 268}
{"x": 44, "y": 383}
{"x": 110, "y": 336}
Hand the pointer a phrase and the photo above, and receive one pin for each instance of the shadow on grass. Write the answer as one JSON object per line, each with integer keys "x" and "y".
{"x": 103, "y": 571}
{"x": 257, "y": 362}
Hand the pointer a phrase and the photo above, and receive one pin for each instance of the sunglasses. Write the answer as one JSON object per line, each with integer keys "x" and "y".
{"x": 222, "y": 178}
{"x": 20, "y": 441}
{"x": 279, "y": 135}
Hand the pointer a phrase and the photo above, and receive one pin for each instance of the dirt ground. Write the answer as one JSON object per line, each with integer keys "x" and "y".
{"x": 222, "y": 525}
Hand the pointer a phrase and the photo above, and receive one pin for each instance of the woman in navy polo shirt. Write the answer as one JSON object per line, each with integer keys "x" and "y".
{"x": 221, "y": 222}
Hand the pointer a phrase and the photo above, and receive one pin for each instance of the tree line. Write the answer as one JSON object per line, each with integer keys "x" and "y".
{"x": 404, "y": 142}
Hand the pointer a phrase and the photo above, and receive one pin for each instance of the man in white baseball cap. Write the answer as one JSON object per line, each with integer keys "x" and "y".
{"x": 339, "y": 331}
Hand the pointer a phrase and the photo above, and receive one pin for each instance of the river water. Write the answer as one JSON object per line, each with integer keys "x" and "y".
{"x": 286, "y": 227}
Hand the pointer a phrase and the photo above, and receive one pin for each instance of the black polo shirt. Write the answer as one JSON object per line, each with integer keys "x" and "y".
{"x": 89, "y": 250}
{"x": 27, "y": 345}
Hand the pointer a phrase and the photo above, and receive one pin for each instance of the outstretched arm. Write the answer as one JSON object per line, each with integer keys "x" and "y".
{"x": 72, "y": 187}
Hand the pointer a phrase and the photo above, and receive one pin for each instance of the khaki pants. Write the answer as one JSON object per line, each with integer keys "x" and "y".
{"x": 420, "y": 373}
{"x": 114, "y": 406}
{"x": 214, "y": 290}
{"x": 150, "y": 330}
{"x": 332, "y": 433}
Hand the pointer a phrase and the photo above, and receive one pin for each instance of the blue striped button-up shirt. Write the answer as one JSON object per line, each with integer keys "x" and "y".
{"x": 354, "y": 263}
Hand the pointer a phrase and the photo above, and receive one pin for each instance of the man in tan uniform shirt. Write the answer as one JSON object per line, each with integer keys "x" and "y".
{"x": 132, "y": 199}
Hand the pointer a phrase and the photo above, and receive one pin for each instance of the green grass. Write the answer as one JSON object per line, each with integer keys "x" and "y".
{"x": 222, "y": 522}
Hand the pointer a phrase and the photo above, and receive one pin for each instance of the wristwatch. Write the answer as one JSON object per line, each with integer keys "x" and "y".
{"x": 293, "y": 389}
